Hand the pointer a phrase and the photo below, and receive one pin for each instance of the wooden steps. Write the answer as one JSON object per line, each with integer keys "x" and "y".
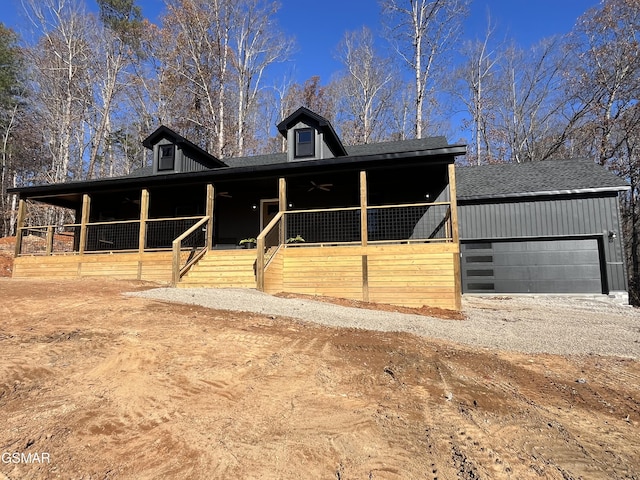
{"x": 222, "y": 269}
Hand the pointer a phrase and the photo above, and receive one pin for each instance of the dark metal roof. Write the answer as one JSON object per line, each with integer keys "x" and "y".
{"x": 550, "y": 177}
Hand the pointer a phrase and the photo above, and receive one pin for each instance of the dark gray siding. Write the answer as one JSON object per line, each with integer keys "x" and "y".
{"x": 550, "y": 218}
{"x": 191, "y": 165}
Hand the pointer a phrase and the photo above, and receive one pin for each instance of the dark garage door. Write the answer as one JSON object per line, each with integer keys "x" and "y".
{"x": 541, "y": 266}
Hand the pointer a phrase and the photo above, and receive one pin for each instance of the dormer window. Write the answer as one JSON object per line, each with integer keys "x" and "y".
{"x": 166, "y": 157}
{"x": 304, "y": 143}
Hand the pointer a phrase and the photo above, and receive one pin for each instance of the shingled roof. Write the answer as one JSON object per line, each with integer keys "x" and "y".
{"x": 549, "y": 177}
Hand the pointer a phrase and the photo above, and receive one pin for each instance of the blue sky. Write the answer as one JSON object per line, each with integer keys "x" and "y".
{"x": 319, "y": 26}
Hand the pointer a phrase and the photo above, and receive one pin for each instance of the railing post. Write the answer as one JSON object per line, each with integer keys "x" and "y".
{"x": 86, "y": 209}
{"x": 49, "y": 240}
{"x": 144, "y": 215}
{"x": 455, "y": 236}
{"x": 175, "y": 263}
{"x": 282, "y": 207}
{"x": 260, "y": 264}
{"x": 22, "y": 213}
{"x": 364, "y": 235}
{"x": 363, "y": 208}
{"x": 454, "y": 203}
{"x": 209, "y": 212}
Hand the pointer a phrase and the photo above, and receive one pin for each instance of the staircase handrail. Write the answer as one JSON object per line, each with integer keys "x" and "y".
{"x": 176, "y": 270}
{"x": 260, "y": 263}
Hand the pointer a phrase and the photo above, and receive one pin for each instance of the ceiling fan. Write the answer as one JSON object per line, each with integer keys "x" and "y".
{"x": 135, "y": 201}
{"x": 320, "y": 186}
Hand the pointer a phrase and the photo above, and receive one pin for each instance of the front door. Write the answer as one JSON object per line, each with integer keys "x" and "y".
{"x": 268, "y": 210}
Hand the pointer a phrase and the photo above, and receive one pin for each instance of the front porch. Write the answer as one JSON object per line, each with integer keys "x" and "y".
{"x": 398, "y": 252}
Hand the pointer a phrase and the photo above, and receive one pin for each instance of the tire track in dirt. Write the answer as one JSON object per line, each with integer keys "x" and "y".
{"x": 130, "y": 388}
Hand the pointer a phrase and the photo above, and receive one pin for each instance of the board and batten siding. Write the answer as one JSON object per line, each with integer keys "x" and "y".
{"x": 583, "y": 217}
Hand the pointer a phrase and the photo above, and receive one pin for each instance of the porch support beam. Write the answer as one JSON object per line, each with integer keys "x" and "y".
{"x": 282, "y": 194}
{"x": 144, "y": 216}
{"x": 49, "y": 247}
{"x": 364, "y": 235}
{"x": 211, "y": 195}
{"x": 455, "y": 235}
{"x": 282, "y": 206}
{"x": 22, "y": 213}
{"x": 86, "y": 210}
{"x": 363, "y": 208}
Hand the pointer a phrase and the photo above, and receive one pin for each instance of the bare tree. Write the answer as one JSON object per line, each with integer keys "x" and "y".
{"x": 534, "y": 116}
{"x": 422, "y": 32}
{"x": 604, "y": 80}
{"x": 476, "y": 87}
{"x": 195, "y": 48}
{"x": 112, "y": 43}
{"x": 59, "y": 61}
{"x": 257, "y": 44}
{"x": 364, "y": 90}
{"x": 12, "y": 88}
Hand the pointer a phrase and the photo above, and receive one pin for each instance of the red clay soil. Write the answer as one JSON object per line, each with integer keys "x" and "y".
{"x": 424, "y": 310}
{"x": 62, "y": 243}
{"x": 117, "y": 387}
{"x": 7, "y": 247}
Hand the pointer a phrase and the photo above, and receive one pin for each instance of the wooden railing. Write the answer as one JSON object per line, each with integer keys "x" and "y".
{"x": 95, "y": 237}
{"x": 267, "y": 245}
{"x": 405, "y": 223}
{"x": 390, "y": 224}
{"x": 195, "y": 252}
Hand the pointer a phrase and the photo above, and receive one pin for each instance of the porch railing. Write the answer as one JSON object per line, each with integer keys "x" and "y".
{"x": 409, "y": 223}
{"x": 99, "y": 237}
{"x": 48, "y": 239}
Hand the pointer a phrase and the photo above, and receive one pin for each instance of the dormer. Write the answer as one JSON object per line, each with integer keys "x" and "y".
{"x": 172, "y": 153}
{"x": 310, "y": 137}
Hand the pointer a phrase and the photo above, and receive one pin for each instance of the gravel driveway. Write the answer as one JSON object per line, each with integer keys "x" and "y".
{"x": 530, "y": 324}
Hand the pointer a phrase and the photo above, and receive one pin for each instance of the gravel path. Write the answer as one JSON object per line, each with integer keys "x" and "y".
{"x": 530, "y": 324}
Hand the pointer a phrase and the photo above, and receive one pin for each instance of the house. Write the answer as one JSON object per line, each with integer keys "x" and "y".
{"x": 375, "y": 222}
{"x": 357, "y": 222}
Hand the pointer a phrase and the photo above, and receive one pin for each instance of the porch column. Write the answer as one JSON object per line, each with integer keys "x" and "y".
{"x": 144, "y": 215}
{"x": 86, "y": 209}
{"x": 364, "y": 236}
{"x": 211, "y": 195}
{"x": 455, "y": 235}
{"x": 22, "y": 213}
{"x": 282, "y": 206}
{"x": 363, "y": 208}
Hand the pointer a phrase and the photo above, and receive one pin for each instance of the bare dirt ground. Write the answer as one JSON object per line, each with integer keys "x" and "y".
{"x": 118, "y": 387}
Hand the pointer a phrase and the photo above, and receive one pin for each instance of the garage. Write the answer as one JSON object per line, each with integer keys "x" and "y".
{"x": 541, "y": 227}
{"x": 539, "y": 266}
